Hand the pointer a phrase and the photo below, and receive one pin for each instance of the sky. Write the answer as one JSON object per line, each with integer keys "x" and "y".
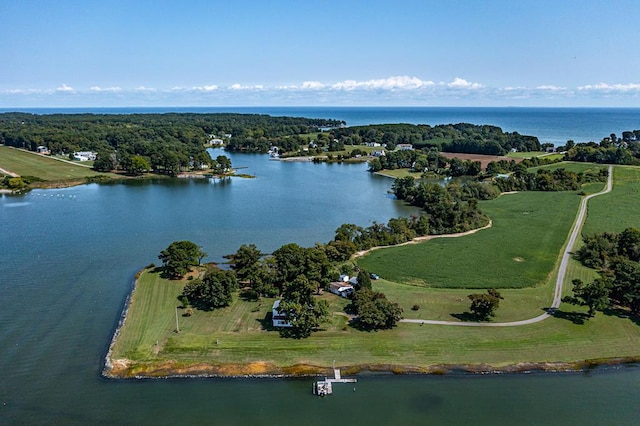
{"x": 109, "y": 53}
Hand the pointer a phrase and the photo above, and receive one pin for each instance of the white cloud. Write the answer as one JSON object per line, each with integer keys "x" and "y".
{"x": 114, "y": 89}
{"x": 65, "y": 88}
{"x": 393, "y": 90}
{"x": 551, "y": 88}
{"x": 145, "y": 89}
{"x": 461, "y": 83}
{"x": 312, "y": 85}
{"x": 238, "y": 86}
{"x": 206, "y": 88}
{"x": 390, "y": 83}
{"x": 609, "y": 88}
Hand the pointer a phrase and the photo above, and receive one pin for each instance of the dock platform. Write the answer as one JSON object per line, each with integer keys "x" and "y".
{"x": 325, "y": 387}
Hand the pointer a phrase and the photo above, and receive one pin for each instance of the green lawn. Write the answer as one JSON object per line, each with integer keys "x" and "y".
{"x": 30, "y": 164}
{"x": 236, "y": 335}
{"x": 619, "y": 209}
{"x": 519, "y": 250}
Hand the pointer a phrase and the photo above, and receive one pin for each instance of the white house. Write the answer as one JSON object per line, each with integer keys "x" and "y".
{"x": 279, "y": 320}
{"x": 341, "y": 289}
{"x": 404, "y": 147}
{"x": 84, "y": 156}
{"x": 43, "y": 150}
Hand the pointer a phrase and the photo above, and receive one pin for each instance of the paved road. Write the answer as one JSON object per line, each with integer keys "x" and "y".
{"x": 562, "y": 270}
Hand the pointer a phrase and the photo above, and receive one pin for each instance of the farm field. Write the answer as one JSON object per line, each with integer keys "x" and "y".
{"x": 519, "y": 250}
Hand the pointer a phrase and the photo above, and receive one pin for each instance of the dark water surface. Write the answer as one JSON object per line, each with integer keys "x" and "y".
{"x": 67, "y": 258}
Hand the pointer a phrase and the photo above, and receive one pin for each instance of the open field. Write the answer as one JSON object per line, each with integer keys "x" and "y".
{"x": 619, "y": 209}
{"x": 521, "y": 247}
{"x": 232, "y": 341}
{"x": 31, "y": 164}
{"x": 238, "y": 341}
{"x": 530, "y": 154}
{"x": 571, "y": 166}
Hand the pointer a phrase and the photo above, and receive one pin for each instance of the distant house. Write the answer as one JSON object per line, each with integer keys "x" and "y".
{"x": 279, "y": 320}
{"x": 404, "y": 147}
{"x": 43, "y": 150}
{"x": 216, "y": 141}
{"x": 84, "y": 156}
{"x": 378, "y": 153}
{"x": 341, "y": 289}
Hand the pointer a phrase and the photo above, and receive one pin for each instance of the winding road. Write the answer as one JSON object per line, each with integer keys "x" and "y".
{"x": 562, "y": 270}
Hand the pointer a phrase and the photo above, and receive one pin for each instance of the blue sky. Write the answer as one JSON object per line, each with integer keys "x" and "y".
{"x": 311, "y": 52}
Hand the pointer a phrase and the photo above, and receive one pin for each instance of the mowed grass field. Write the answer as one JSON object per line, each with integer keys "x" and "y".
{"x": 619, "y": 209}
{"x": 240, "y": 334}
{"x": 48, "y": 169}
{"x": 519, "y": 250}
{"x": 236, "y": 335}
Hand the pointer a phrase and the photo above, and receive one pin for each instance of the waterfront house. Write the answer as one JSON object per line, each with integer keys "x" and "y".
{"x": 43, "y": 150}
{"x": 279, "y": 320}
{"x": 341, "y": 289}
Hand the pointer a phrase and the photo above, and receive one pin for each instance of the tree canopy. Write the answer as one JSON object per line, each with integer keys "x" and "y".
{"x": 179, "y": 256}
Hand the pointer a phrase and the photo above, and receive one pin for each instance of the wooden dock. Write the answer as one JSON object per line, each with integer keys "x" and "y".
{"x": 325, "y": 387}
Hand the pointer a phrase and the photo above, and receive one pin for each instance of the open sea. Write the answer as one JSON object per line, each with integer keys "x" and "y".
{"x": 68, "y": 257}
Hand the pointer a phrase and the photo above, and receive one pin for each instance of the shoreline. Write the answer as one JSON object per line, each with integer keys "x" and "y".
{"x": 122, "y": 368}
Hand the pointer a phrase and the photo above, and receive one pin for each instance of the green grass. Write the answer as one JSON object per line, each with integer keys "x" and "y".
{"x": 400, "y": 173}
{"x": 571, "y": 166}
{"x": 619, "y": 209}
{"x": 526, "y": 154}
{"x": 235, "y": 335}
{"x": 30, "y": 164}
{"x": 519, "y": 250}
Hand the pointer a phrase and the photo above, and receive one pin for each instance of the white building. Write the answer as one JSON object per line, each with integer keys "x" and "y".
{"x": 279, "y": 320}
{"x": 84, "y": 156}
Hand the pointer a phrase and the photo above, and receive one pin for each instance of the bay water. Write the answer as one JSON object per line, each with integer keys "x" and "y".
{"x": 68, "y": 256}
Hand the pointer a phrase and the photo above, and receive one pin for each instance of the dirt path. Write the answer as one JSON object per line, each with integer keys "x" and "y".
{"x": 562, "y": 271}
{"x": 8, "y": 173}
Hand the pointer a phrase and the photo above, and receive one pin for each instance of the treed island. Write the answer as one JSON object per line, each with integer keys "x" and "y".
{"x": 495, "y": 211}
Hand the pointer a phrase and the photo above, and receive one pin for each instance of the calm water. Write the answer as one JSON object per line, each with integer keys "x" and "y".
{"x": 67, "y": 258}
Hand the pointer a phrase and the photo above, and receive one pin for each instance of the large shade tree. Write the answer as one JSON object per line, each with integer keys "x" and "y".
{"x": 179, "y": 257}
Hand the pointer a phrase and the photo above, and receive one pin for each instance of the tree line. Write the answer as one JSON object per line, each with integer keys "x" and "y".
{"x": 617, "y": 259}
{"x": 461, "y": 137}
{"x": 164, "y": 143}
{"x": 610, "y": 150}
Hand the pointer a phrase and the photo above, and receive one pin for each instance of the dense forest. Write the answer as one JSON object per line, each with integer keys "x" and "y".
{"x": 166, "y": 143}
{"x": 462, "y": 137}
{"x": 610, "y": 150}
